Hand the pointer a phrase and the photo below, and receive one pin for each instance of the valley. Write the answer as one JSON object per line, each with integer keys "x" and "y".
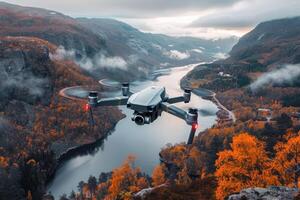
{"x": 246, "y": 91}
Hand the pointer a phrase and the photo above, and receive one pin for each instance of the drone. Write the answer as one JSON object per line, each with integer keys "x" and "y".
{"x": 148, "y": 104}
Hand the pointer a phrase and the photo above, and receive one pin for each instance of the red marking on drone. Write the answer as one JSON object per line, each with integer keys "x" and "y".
{"x": 87, "y": 107}
{"x": 194, "y": 126}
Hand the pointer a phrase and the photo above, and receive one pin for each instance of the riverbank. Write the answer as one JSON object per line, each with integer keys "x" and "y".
{"x": 224, "y": 114}
{"x": 79, "y": 150}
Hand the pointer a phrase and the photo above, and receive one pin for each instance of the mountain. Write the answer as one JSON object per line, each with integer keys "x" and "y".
{"x": 271, "y": 46}
{"x": 33, "y": 117}
{"x": 156, "y": 49}
{"x": 276, "y": 41}
{"x": 49, "y": 25}
{"x": 106, "y": 47}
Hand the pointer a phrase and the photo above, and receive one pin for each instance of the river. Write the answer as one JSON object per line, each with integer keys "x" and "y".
{"x": 145, "y": 142}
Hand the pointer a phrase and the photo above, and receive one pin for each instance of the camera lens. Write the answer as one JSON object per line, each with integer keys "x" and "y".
{"x": 139, "y": 120}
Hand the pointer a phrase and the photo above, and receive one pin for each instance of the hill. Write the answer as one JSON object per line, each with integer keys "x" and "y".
{"x": 105, "y": 47}
{"x": 262, "y": 52}
{"x": 125, "y": 40}
{"x": 37, "y": 125}
{"x": 49, "y": 25}
{"x": 276, "y": 41}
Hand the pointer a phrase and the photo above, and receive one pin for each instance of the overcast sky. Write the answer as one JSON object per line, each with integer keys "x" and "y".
{"x": 200, "y": 18}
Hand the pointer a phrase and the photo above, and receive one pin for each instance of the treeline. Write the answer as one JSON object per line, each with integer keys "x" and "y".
{"x": 122, "y": 183}
{"x": 183, "y": 175}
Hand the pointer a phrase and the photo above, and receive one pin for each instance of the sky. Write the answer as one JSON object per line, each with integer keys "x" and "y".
{"x": 198, "y": 18}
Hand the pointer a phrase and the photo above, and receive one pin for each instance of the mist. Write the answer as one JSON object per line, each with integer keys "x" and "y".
{"x": 100, "y": 60}
{"x": 286, "y": 74}
{"x": 177, "y": 55}
{"x": 25, "y": 81}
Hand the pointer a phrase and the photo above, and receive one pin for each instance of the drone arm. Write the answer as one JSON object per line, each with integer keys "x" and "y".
{"x": 115, "y": 101}
{"x": 175, "y": 100}
{"x": 173, "y": 110}
{"x": 190, "y": 117}
{"x": 185, "y": 98}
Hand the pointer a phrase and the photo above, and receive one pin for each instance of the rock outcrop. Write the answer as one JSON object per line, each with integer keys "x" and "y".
{"x": 270, "y": 193}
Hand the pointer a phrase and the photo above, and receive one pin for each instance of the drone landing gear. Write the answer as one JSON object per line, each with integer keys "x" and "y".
{"x": 192, "y": 119}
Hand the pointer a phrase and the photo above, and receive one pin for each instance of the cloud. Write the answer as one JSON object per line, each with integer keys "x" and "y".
{"x": 286, "y": 74}
{"x": 126, "y": 8}
{"x": 220, "y": 55}
{"x": 198, "y": 18}
{"x": 100, "y": 60}
{"x": 25, "y": 81}
{"x": 248, "y": 13}
{"x": 115, "y": 62}
{"x": 62, "y": 54}
{"x": 176, "y": 55}
{"x": 197, "y": 50}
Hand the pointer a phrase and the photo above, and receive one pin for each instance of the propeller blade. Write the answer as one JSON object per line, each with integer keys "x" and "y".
{"x": 115, "y": 84}
{"x": 74, "y": 93}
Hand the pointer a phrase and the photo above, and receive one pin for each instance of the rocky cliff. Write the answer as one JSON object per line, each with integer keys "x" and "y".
{"x": 275, "y": 193}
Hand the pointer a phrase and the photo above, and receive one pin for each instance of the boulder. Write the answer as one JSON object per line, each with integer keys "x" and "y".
{"x": 273, "y": 192}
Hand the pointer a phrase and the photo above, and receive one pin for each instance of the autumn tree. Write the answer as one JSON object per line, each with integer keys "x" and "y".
{"x": 158, "y": 175}
{"x": 80, "y": 187}
{"x": 125, "y": 181}
{"x": 287, "y": 161}
{"x": 92, "y": 183}
{"x": 245, "y": 165}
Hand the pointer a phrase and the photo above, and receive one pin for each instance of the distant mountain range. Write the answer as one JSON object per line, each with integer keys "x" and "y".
{"x": 108, "y": 47}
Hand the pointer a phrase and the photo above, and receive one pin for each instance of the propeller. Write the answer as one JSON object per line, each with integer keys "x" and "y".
{"x": 115, "y": 84}
{"x": 79, "y": 93}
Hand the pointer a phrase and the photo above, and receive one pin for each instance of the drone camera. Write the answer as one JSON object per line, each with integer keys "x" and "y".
{"x": 125, "y": 89}
{"x": 144, "y": 117}
{"x": 187, "y": 95}
{"x": 139, "y": 119}
{"x": 93, "y": 98}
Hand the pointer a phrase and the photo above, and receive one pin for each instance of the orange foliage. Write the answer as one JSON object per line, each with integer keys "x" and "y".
{"x": 158, "y": 175}
{"x": 125, "y": 181}
{"x": 3, "y": 162}
{"x": 286, "y": 160}
{"x": 245, "y": 165}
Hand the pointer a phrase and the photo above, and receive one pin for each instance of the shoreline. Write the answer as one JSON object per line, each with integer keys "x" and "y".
{"x": 211, "y": 96}
{"x": 77, "y": 150}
